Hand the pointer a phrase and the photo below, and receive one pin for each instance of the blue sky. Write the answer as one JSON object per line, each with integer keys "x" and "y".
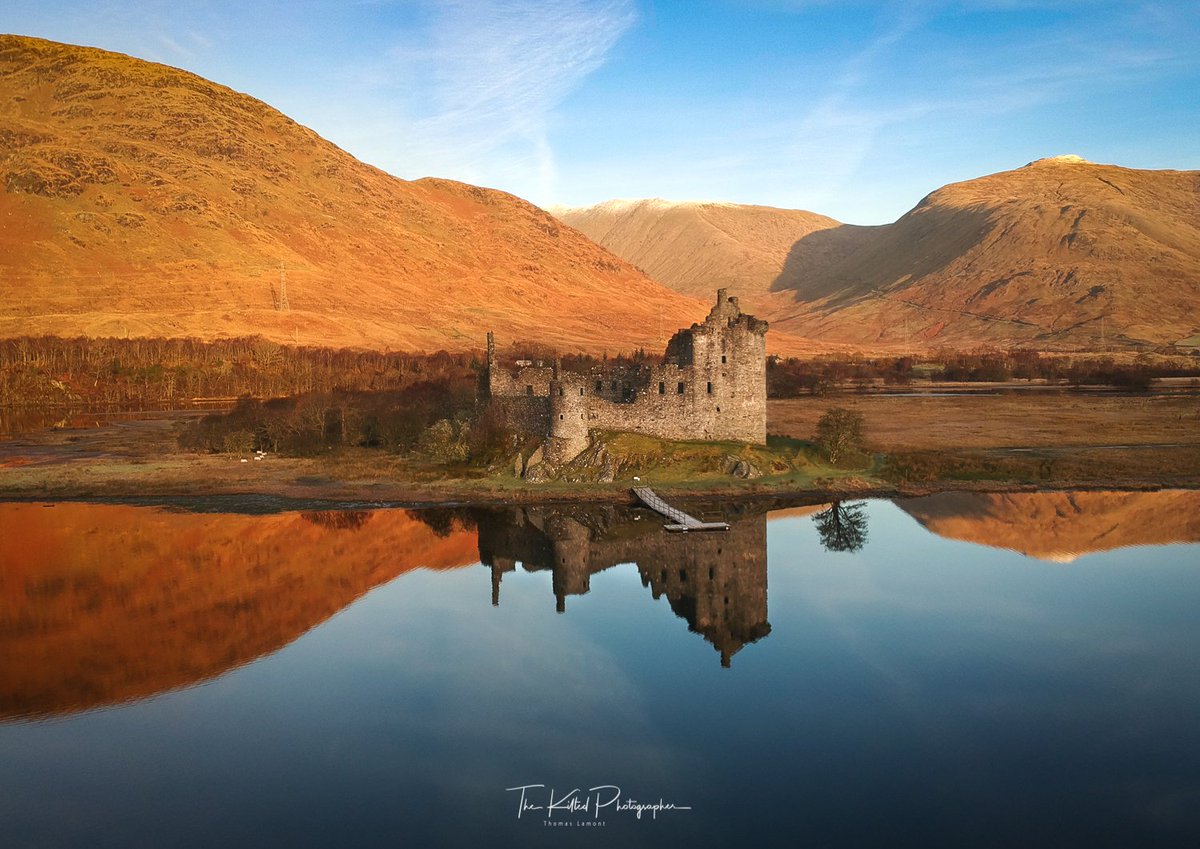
{"x": 855, "y": 109}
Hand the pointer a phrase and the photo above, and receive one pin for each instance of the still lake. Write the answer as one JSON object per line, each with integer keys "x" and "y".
{"x": 960, "y": 670}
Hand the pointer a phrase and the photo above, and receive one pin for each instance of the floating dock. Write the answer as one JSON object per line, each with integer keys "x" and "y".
{"x": 680, "y": 521}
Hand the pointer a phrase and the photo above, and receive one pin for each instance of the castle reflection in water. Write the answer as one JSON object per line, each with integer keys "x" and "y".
{"x": 715, "y": 581}
{"x": 106, "y": 604}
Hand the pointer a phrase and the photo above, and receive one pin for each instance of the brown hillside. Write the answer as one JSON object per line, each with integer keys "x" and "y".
{"x": 691, "y": 246}
{"x": 1061, "y": 252}
{"x": 142, "y": 200}
{"x": 1061, "y": 526}
{"x": 101, "y": 604}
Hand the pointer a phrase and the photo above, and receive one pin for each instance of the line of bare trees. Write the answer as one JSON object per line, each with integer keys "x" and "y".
{"x": 49, "y": 371}
{"x": 792, "y": 377}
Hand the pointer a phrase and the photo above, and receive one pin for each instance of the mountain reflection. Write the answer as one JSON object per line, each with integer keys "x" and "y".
{"x": 101, "y": 604}
{"x": 715, "y": 581}
{"x": 1060, "y": 526}
{"x": 104, "y": 604}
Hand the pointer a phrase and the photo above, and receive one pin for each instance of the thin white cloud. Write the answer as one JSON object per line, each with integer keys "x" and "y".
{"x": 175, "y": 47}
{"x": 477, "y": 86}
{"x": 839, "y": 132}
{"x": 200, "y": 40}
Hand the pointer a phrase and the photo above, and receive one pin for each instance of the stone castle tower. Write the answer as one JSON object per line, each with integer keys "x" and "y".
{"x": 710, "y": 385}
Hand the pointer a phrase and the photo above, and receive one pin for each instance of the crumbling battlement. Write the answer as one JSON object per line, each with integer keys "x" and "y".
{"x": 710, "y": 385}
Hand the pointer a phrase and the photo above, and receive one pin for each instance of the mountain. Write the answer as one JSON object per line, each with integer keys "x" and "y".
{"x": 1059, "y": 253}
{"x": 692, "y": 246}
{"x": 141, "y": 200}
{"x": 1060, "y": 526}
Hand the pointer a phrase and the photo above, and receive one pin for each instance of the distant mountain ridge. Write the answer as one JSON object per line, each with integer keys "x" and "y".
{"x": 1059, "y": 253}
{"x": 689, "y": 245}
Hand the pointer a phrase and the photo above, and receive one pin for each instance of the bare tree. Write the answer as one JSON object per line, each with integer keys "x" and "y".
{"x": 840, "y": 433}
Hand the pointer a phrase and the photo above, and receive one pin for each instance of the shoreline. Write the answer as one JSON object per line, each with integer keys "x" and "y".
{"x": 140, "y": 460}
{"x": 337, "y": 494}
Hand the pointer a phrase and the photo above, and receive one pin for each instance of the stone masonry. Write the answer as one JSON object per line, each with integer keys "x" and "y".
{"x": 710, "y": 385}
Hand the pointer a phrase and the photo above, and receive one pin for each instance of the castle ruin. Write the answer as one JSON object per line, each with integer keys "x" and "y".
{"x": 710, "y": 385}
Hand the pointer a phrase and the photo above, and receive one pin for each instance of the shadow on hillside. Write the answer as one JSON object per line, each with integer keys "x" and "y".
{"x": 850, "y": 263}
{"x": 812, "y": 262}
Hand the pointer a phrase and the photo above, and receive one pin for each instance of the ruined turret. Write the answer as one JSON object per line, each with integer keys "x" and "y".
{"x": 710, "y": 384}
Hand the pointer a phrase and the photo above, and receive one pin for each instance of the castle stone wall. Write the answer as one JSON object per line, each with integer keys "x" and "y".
{"x": 711, "y": 385}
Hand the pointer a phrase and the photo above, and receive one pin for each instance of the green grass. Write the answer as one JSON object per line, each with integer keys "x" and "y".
{"x": 668, "y": 463}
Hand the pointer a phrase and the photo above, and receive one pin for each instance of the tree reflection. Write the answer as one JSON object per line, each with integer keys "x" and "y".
{"x": 842, "y": 527}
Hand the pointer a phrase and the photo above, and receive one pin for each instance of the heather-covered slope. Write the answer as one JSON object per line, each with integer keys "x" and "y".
{"x": 1060, "y": 252}
{"x": 141, "y": 200}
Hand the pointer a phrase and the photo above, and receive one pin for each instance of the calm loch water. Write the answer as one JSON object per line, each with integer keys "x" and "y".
{"x": 960, "y": 670}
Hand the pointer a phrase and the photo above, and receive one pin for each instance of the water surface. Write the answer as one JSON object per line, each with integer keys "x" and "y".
{"x": 814, "y": 677}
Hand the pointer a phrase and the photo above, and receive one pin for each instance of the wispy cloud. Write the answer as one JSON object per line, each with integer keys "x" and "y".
{"x": 841, "y": 129}
{"x": 175, "y": 47}
{"x": 474, "y": 89}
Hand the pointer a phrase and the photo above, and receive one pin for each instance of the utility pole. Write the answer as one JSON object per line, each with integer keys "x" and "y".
{"x": 283, "y": 299}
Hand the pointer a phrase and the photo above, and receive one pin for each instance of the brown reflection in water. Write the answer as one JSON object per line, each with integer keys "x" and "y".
{"x": 1060, "y": 526}
{"x": 716, "y": 581}
{"x": 102, "y": 604}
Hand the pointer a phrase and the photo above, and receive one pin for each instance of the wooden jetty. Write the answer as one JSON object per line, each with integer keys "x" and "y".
{"x": 680, "y": 521}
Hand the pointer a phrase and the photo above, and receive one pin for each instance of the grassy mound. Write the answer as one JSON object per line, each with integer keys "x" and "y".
{"x": 616, "y": 457}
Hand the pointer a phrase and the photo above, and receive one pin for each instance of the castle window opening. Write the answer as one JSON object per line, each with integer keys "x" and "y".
{"x": 662, "y": 387}
{"x": 710, "y": 387}
{"x": 679, "y": 388}
{"x": 528, "y": 390}
{"x": 581, "y": 390}
{"x": 562, "y": 391}
{"x": 723, "y": 360}
{"x": 711, "y": 573}
{"x": 560, "y": 417}
{"x": 683, "y": 576}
